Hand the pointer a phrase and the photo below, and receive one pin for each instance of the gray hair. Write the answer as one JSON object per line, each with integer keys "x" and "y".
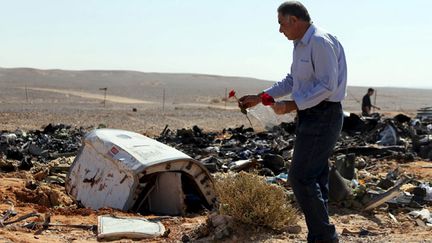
{"x": 294, "y": 8}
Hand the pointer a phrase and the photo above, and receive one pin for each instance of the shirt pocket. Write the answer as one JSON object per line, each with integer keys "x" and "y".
{"x": 304, "y": 69}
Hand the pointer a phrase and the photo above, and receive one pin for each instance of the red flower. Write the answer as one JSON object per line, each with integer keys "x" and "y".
{"x": 267, "y": 99}
{"x": 231, "y": 93}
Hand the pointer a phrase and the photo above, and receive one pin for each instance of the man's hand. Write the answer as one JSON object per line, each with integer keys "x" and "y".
{"x": 283, "y": 107}
{"x": 376, "y": 107}
{"x": 248, "y": 101}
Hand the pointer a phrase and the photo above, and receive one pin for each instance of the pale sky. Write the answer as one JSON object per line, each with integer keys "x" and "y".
{"x": 387, "y": 42}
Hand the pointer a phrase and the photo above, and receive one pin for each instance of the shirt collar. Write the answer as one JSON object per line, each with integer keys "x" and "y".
{"x": 307, "y": 35}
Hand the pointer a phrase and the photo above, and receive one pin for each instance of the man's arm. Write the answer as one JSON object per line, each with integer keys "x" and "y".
{"x": 376, "y": 107}
{"x": 281, "y": 88}
{"x": 284, "y": 106}
{"x": 278, "y": 89}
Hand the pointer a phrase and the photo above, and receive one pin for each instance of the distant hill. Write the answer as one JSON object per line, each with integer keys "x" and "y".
{"x": 129, "y": 82}
{"x": 182, "y": 87}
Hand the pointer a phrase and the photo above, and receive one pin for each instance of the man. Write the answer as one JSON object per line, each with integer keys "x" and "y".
{"x": 317, "y": 84}
{"x": 366, "y": 103}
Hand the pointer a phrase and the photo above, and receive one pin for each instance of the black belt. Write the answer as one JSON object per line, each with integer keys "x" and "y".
{"x": 322, "y": 104}
{"x": 326, "y": 103}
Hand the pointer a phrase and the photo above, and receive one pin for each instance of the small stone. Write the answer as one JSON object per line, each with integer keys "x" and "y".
{"x": 185, "y": 238}
{"x": 294, "y": 229}
{"x": 420, "y": 223}
{"x": 345, "y": 220}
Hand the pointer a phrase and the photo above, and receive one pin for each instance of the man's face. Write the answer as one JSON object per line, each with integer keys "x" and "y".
{"x": 370, "y": 93}
{"x": 287, "y": 26}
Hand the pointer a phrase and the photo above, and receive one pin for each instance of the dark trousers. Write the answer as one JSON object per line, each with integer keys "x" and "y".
{"x": 318, "y": 128}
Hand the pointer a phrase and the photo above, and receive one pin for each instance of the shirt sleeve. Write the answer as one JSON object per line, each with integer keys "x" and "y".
{"x": 281, "y": 88}
{"x": 324, "y": 58}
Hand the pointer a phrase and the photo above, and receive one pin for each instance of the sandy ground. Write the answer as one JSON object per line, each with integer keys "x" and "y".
{"x": 381, "y": 227}
{"x": 72, "y": 104}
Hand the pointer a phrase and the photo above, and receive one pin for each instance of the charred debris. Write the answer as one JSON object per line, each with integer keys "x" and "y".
{"x": 365, "y": 145}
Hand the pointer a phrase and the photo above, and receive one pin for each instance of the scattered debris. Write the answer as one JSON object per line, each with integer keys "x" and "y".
{"x": 112, "y": 228}
{"x": 19, "y": 219}
{"x": 25, "y": 148}
{"x": 361, "y": 232}
{"x": 424, "y": 215}
{"x": 128, "y": 171}
{"x": 425, "y": 114}
{"x": 386, "y": 196}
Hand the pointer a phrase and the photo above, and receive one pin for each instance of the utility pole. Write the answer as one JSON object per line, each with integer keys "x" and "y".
{"x": 26, "y": 92}
{"x": 105, "y": 92}
{"x": 163, "y": 100}
{"x": 226, "y": 97}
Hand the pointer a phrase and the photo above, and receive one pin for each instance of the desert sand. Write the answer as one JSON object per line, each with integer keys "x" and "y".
{"x": 31, "y": 99}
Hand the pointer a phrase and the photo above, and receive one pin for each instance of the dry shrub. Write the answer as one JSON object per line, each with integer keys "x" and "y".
{"x": 214, "y": 101}
{"x": 248, "y": 198}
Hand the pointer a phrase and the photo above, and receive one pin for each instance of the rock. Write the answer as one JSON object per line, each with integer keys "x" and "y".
{"x": 59, "y": 198}
{"x": 222, "y": 225}
{"x": 338, "y": 186}
{"x": 274, "y": 162}
{"x": 8, "y": 165}
{"x": 41, "y": 175}
{"x": 294, "y": 229}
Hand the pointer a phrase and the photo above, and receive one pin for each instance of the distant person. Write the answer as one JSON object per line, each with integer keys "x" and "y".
{"x": 317, "y": 84}
{"x": 366, "y": 103}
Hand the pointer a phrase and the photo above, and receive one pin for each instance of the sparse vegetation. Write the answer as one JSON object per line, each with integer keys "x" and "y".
{"x": 214, "y": 101}
{"x": 248, "y": 198}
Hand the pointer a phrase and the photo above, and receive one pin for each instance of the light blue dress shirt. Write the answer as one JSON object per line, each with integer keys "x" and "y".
{"x": 318, "y": 71}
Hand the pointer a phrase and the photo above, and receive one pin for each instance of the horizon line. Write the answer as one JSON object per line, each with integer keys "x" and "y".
{"x": 188, "y": 73}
